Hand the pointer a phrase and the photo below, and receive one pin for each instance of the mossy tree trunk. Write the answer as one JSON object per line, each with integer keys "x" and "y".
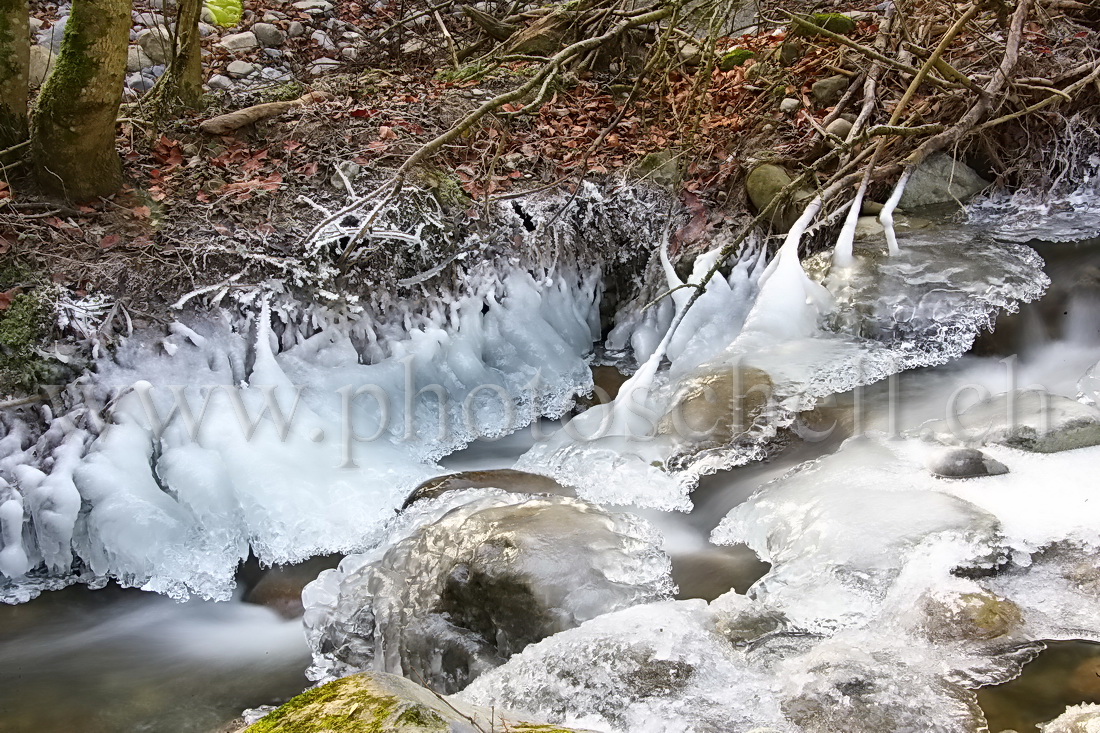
{"x": 15, "y": 50}
{"x": 73, "y": 122}
{"x": 181, "y": 83}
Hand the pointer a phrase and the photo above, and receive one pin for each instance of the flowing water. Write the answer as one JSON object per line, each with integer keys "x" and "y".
{"x": 856, "y": 534}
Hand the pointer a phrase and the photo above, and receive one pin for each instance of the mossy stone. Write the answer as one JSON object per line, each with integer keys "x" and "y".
{"x": 732, "y": 59}
{"x": 833, "y": 22}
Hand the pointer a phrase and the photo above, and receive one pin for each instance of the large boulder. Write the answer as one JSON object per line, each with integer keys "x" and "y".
{"x": 156, "y": 42}
{"x": 383, "y": 702}
{"x": 941, "y": 180}
{"x": 1030, "y": 420}
{"x": 457, "y": 597}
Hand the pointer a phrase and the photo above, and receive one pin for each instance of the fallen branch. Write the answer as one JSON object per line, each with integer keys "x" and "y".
{"x": 233, "y": 121}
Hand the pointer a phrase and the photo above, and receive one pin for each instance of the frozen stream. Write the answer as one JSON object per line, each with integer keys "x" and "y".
{"x": 879, "y": 348}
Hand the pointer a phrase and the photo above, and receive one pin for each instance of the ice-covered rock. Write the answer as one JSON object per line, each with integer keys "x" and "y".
{"x": 384, "y": 702}
{"x": 1031, "y": 420}
{"x": 661, "y": 667}
{"x": 512, "y": 570}
{"x": 1076, "y": 719}
{"x": 507, "y": 479}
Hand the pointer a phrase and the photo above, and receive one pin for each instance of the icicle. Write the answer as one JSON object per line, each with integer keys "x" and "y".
{"x": 842, "y": 253}
{"x": 886, "y": 217}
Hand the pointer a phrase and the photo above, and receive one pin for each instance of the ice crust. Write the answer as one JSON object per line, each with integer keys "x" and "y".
{"x": 814, "y": 336}
{"x": 173, "y": 505}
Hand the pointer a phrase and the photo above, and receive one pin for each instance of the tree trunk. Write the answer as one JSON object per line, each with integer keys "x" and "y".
{"x": 182, "y": 81}
{"x": 73, "y": 122}
{"x": 15, "y": 49}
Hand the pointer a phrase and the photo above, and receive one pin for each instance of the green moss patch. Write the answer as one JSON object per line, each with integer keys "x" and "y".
{"x": 733, "y": 59}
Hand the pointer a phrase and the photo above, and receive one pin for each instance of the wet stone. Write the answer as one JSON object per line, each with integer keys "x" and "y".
{"x": 965, "y": 463}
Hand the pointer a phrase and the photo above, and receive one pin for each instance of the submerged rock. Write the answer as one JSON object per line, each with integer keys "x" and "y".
{"x": 280, "y": 587}
{"x": 965, "y": 463}
{"x": 517, "y": 482}
{"x": 1030, "y": 420}
{"x": 716, "y": 406}
{"x": 383, "y": 702}
{"x": 457, "y": 597}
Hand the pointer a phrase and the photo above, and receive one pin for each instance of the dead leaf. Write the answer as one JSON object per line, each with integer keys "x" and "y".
{"x": 109, "y": 241}
{"x": 386, "y": 133}
{"x": 6, "y": 297}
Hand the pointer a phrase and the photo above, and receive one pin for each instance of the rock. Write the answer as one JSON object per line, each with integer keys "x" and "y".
{"x": 763, "y": 184}
{"x": 323, "y": 65}
{"x": 206, "y": 15}
{"x": 828, "y": 91}
{"x": 869, "y": 229}
{"x": 322, "y": 39}
{"x": 137, "y": 59}
{"x": 790, "y": 51}
{"x": 660, "y": 167}
{"x": 51, "y": 37}
{"x": 156, "y": 71}
{"x": 732, "y": 59}
{"x": 156, "y": 43}
{"x": 239, "y": 69}
{"x": 941, "y": 180}
{"x": 834, "y": 22}
{"x": 273, "y": 74}
{"x": 140, "y": 83}
{"x": 689, "y": 52}
{"x": 35, "y": 25}
{"x": 351, "y": 171}
{"x": 965, "y": 463}
{"x": 871, "y": 208}
{"x": 789, "y": 106}
{"x": 313, "y": 7}
{"x": 41, "y": 64}
{"x": 1029, "y": 420}
{"x": 375, "y": 701}
{"x": 839, "y": 127}
{"x": 1076, "y": 719}
{"x": 149, "y": 20}
{"x": 234, "y": 42}
{"x": 975, "y": 616}
{"x": 518, "y": 482}
{"x": 515, "y": 571}
{"x": 206, "y": 30}
{"x": 295, "y": 29}
{"x": 349, "y": 53}
{"x": 268, "y": 35}
{"x": 280, "y": 587}
{"x": 218, "y": 82}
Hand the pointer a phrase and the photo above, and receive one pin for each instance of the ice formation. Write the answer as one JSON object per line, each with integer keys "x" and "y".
{"x": 280, "y": 427}
{"x": 811, "y": 335}
{"x": 471, "y": 578}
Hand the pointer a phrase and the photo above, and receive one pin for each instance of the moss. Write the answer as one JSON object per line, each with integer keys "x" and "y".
{"x": 24, "y": 326}
{"x": 445, "y": 187}
{"x": 834, "y": 22}
{"x": 733, "y": 59}
{"x": 348, "y": 705}
{"x": 282, "y": 92}
{"x": 421, "y": 716}
{"x": 475, "y": 71}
